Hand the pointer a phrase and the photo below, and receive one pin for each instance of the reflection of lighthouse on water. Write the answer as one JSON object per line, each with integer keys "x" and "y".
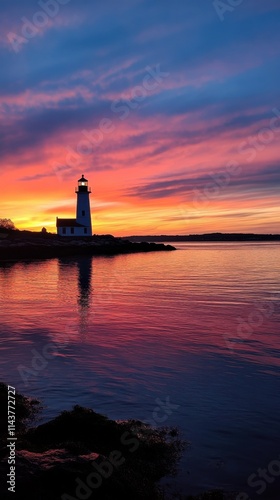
{"x": 84, "y": 266}
{"x": 78, "y": 271}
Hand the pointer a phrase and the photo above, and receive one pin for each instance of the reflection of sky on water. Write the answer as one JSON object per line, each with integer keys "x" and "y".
{"x": 134, "y": 328}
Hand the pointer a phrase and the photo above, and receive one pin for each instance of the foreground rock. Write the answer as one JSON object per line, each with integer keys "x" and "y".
{"x": 23, "y": 245}
{"x": 84, "y": 455}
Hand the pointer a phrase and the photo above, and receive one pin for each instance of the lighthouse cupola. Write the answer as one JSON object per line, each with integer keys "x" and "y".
{"x": 83, "y": 186}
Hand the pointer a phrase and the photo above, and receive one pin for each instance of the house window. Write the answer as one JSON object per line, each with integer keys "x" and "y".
{"x": 64, "y": 230}
{"x": 72, "y": 230}
{"x": 85, "y": 230}
{"x": 83, "y": 213}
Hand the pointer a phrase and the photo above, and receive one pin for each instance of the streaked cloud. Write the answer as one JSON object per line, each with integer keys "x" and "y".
{"x": 220, "y": 93}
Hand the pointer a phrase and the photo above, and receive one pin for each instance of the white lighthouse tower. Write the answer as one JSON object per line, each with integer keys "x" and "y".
{"x": 81, "y": 226}
{"x": 83, "y": 215}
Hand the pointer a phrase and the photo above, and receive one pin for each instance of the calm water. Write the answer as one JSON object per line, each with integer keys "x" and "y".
{"x": 199, "y": 326}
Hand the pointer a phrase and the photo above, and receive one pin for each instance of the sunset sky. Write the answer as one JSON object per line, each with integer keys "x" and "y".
{"x": 170, "y": 109}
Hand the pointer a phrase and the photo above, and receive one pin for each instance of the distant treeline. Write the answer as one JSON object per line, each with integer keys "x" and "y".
{"x": 209, "y": 237}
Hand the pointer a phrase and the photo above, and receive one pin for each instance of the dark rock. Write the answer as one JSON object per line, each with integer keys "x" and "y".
{"x": 81, "y": 448}
{"x": 24, "y": 245}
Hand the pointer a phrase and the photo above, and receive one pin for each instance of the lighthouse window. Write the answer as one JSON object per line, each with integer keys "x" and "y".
{"x": 83, "y": 213}
{"x": 85, "y": 230}
{"x": 64, "y": 230}
{"x": 72, "y": 230}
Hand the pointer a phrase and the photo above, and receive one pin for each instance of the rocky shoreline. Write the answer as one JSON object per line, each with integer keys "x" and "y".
{"x": 83, "y": 455}
{"x": 25, "y": 245}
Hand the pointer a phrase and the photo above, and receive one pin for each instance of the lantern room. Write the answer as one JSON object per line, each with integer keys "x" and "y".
{"x": 83, "y": 186}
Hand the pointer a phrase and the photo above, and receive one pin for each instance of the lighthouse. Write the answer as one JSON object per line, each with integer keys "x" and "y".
{"x": 83, "y": 215}
{"x": 81, "y": 226}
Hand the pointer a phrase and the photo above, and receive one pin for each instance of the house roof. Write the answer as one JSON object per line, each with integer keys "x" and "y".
{"x": 67, "y": 223}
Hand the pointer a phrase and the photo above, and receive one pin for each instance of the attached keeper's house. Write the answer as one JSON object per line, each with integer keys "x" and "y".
{"x": 81, "y": 226}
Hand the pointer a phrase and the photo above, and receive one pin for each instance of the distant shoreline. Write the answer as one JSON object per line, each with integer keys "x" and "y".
{"x": 209, "y": 237}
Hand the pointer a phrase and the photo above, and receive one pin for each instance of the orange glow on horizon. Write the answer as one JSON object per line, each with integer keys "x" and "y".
{"x": 138, "y": 188}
